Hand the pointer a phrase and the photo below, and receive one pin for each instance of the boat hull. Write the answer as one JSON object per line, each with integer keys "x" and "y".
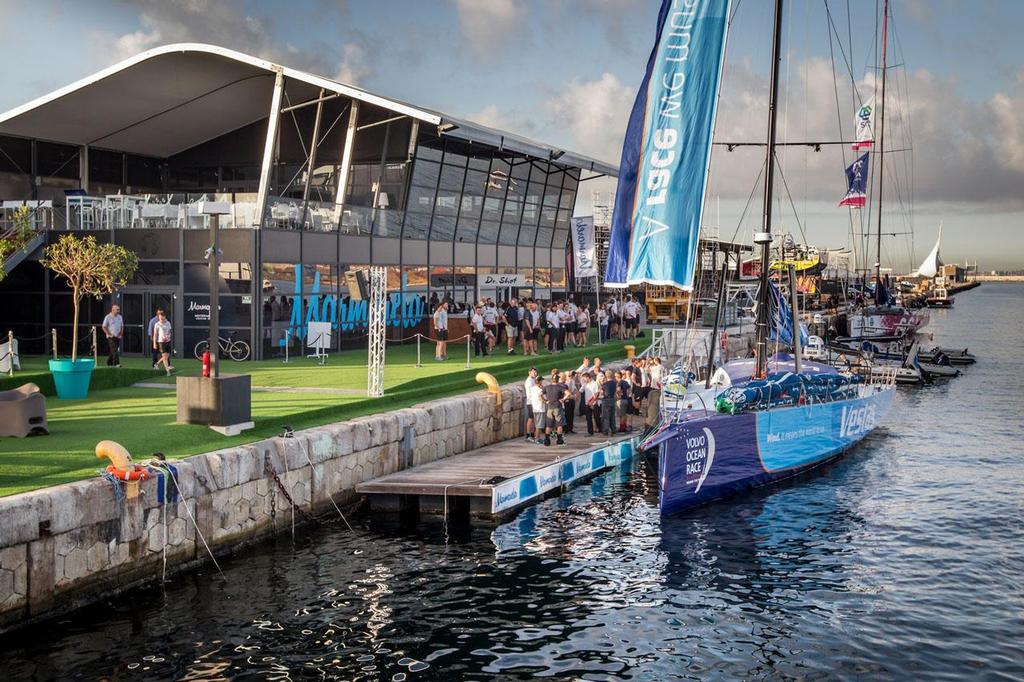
{"x": 715, "y": 457}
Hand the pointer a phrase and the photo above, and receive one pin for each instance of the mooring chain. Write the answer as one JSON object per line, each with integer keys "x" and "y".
{"x": 268, "y": 468}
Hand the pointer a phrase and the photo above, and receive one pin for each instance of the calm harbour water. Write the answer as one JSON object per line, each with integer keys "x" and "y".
{"x": 904, "y": 560}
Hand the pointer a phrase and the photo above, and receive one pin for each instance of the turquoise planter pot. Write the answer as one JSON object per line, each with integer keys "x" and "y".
{"x": 72, "y": 377}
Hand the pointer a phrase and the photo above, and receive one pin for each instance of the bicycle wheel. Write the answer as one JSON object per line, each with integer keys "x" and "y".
{"x": 239, "y": 351}
{"x": 201, "y": 348}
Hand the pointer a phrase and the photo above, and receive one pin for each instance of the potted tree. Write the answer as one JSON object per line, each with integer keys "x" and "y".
{"x": 90, "y": 269}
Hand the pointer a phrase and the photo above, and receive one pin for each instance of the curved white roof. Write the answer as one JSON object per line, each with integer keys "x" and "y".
{"x": 171, "y": 98}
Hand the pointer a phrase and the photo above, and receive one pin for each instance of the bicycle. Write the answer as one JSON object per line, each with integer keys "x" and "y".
{"x": 237, "y": 350}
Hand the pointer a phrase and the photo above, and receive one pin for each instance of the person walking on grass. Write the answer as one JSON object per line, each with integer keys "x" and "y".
{"x": 479, "y": 329}
{"x": 154, "y": 353}
{"x": 511, "y": 315}
{"x": 162, "y": 340}
{"x": 113, "y": 329}
{"x": 582, "y": 325}
{"x": 602, "y": 324}
{"x": 531, "y": 329}
{"x": 440, "y": 322}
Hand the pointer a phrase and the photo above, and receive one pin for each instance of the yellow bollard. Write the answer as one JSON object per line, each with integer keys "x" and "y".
{"x": 491, "y": 383}
{"x": 122, "y": 461}
{"x": 630, "y": 352}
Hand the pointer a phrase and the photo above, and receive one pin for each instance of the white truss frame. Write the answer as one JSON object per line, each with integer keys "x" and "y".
{"x": 377, "y": 341}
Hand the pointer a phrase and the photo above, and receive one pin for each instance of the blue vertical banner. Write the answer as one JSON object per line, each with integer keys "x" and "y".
{"x": 663, "y": 172}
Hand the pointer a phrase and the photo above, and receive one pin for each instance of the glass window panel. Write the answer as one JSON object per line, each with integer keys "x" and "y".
{"x": 544, "y": 237}
{"x": 427, "y": 152}
{"x": 561, "y": 239}
{"x": 492, "y": 208}
{"x": 542, "y": 277}
{"x": 547, "y": 217}
{"x": 521, "y": 169}
{"x": 421, "y": 199}
{"x": 443, "y": 228}
{"x": 513, "y": 211}
{"x": 488, "y": 232}
{"x": 424, "y": 174}
{"x": 481, "y": 163}
{"x": 155, "y": 272}
{"x": 568, "y": 200}
{"x": 417, "y": 226}
{"x": 452, "y": 177}
{"x": 455, "y": 158}
{"x": 531, "y": 213}
{"x": 558, "y": 277}
{"x": 447, "y": 203}
{"x": 476, "y": 183}
{"x": 508, "y": 233}
{"x": 562, "y": 221}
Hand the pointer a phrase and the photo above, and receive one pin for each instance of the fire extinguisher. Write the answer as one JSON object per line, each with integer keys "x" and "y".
{"x": 206, "y": 363}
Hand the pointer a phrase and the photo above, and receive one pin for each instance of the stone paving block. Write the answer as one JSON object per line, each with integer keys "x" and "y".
{"x": 360, "y": 435}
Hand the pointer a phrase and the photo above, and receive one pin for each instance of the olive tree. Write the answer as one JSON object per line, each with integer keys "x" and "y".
{"x": 90, "y": 269}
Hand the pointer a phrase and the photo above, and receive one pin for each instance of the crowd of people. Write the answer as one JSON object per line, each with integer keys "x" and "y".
{"x": 532, "y": 324}
{"x": 607, "y": 399}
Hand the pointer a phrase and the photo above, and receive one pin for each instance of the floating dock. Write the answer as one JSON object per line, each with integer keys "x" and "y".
{"x": 497, "y": 479}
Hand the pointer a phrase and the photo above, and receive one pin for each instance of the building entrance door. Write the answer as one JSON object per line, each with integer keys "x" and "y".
{"x": 137, "y": 307}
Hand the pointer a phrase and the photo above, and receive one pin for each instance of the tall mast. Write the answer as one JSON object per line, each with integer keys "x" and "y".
{"x": 881, "y": 147}
{"x": 764, "y": 238}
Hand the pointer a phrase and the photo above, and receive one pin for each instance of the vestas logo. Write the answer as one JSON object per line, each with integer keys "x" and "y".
{"x": 864, "y": 113}
{"x": 856, "y": 421}
{"x": 700, "y": 454}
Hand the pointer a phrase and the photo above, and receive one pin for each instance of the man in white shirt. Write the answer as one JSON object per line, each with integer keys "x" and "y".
{"x": 553, "y": 325}
{"x": 113, "y": 328}
{"x": 614, "y": 319}
{"x": 536, "y": 398}
{"x": 529, "y": 384}
{"x": 479, "y": 329}
{"x": 490, "y": 313}
{"x": 591, "y": 407}
{"x": 440, "y": 321}
{"x": 631, "y": 317}
{"x": 563, "y": 325}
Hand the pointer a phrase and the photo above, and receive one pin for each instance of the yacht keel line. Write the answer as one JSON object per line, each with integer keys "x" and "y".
{"x": 655, "y": 223}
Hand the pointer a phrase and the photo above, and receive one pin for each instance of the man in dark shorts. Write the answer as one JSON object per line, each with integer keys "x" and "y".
{"x": 554, "y": 393}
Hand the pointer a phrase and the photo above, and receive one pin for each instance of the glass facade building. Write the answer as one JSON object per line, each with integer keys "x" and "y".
{"x": 319, "y": 178}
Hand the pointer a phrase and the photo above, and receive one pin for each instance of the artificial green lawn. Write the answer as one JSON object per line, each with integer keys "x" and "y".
{"x": 143, "y": 419}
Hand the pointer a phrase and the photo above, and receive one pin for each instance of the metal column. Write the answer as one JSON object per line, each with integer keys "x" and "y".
{"x": 346, "y": 163}
{"x": 377, "y": 341}
{"x": 268, "y": 149}
{"x": 312, "y": 158}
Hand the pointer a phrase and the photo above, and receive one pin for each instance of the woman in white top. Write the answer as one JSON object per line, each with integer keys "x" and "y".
{"x": 162, "y": 340}
{"x": 582, "y": 325}
{"x": 441, "y": 331}
{"x": 602, "y": 324}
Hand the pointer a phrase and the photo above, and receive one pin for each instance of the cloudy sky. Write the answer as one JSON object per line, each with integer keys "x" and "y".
{"x": 566, "y": 72}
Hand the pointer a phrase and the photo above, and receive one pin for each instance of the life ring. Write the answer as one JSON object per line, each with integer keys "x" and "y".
{"x": 137, "y": 473}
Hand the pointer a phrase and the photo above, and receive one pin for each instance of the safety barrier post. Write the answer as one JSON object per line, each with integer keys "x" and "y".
{"x": 10, "y": 352}
{"x": 53, "y": 333}
{"x": 468, "y": 336}
{"x": 284, "y": 338}
{"x": 95, "y": 351}
{"x": 418, "y": 337}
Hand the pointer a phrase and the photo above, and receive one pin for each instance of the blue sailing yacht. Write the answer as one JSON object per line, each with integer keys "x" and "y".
{"x": 758, "y": 420}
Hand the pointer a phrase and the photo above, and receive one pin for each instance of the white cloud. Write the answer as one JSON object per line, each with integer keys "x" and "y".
{"x": 354, "y": 65}
{"x": 486, "y": 24}
{"x": 594, "y": 114}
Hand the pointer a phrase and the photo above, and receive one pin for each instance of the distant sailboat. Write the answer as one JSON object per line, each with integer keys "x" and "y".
{"x": 930, "y": 266}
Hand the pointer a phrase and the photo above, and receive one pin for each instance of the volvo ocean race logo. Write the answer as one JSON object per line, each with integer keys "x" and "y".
{"x": 700, "y": 453}
{"x": 856, "y": 421}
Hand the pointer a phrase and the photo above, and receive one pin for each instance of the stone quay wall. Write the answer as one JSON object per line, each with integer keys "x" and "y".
{"x": 68, "y": 545}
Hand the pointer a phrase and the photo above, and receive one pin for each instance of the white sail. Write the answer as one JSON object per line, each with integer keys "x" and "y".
{"x": 930, "y": 267}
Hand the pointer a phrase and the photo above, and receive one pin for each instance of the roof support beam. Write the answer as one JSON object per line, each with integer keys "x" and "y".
{"x": 268, "y": 149}
{"x": 312, "y": 158}
{"x": 380, "y": 123}
{"x": 318, "y": 101}
{"x": 346, "y": 163}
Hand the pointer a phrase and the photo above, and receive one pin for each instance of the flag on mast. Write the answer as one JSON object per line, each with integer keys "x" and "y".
{"x": 865, "y": 126}
{"x": 663, "y": 171}
{"x": 856, "y": 183}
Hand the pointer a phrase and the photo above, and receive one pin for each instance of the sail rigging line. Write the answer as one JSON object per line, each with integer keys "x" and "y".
{"x": 782, "y": 175}
{"x": 746, "y": 206}
{"x": 881, "y": 139}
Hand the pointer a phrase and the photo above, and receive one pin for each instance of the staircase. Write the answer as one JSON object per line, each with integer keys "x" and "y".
{"x": 35, "y": 241}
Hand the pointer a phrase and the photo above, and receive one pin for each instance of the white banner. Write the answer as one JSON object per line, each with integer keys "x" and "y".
{"x": 865, "y": 125}
{"x": 583, "y": 246}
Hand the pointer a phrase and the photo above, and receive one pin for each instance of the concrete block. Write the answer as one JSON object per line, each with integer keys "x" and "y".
{"x": 360, "y": 435}
{"x": 250, "y": 465}
{"x": 21, "y": 515}
{"x": 406, "y": 417}
{"x": 424, "y": 421}
{"x": 454, "y": 413}
{"x": 392, "y": 428}
{"x": 437, "y": 415}
{"x": 342, "y": 439}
